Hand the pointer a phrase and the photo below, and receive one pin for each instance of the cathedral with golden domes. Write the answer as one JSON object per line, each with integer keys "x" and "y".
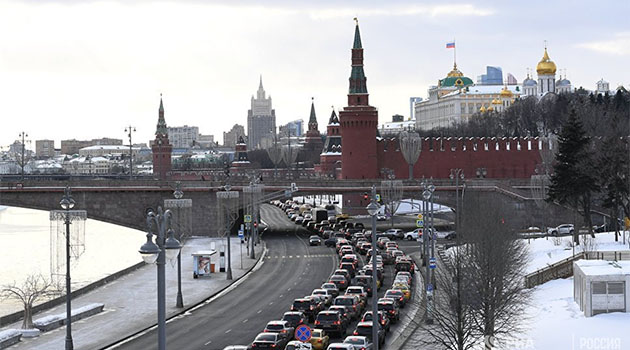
{"x": 546, "y": 83}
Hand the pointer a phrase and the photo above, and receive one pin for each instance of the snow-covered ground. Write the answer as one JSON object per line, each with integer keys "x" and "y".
{"x": 414, "y": 206}
{"x": 554, "y": 319}
{"x": 556, "y": 322}
{"x": 548, "y": 250}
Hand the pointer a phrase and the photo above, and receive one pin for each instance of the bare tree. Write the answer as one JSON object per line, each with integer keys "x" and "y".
{"x": 32, "y": 289}
{"x": 454, "y": 326}
{"x": 497, "y": 268}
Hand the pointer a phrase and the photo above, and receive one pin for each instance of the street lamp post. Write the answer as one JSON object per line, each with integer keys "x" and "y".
{"x": 427, "y": 194}
{"x": 226, "y": 201}
{"x": 372, "y": 209}
{"x": 166, "y": 246}
{"x": 456, "y": 174}
{"x": 129, "y": 130}
{"x": 179, "y": 203}
{"x": 66, "y": 204}
{"x": 22, "y": 164}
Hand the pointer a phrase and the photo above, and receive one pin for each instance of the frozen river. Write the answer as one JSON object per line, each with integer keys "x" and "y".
{"x": 25, "y": 242}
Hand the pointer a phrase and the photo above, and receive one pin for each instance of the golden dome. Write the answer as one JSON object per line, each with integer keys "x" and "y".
{"x": 482, "y": 109}
{"x": 490, "y": 109}
{"x": 506, "y": 93}
{"x": 455, "y": 72}
{"x": 496, "y": 102}
{"x": 546, "y": 66}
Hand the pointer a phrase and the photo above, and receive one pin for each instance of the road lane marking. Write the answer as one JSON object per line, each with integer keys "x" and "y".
{"x": 288, "y": 289}
{"x": 271, "y": 303}
{"x": 208, "y": 342}
{"x": 228, "y": 331}
{"x": 259, "y": 311}
{"x": 281, "y": 295}
{"x": 245, "y": 320}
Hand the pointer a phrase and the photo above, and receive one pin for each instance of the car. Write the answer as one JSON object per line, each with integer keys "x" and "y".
{"x": 346, "y": 249}
{"x": 381, "y": 217}
{"x": 340, "y": 243}
{"x": 564, "y": 229}
{"x": 294, "y": 318}
{"x": 403, "y": 287}
{"x": 344, "y": 311}
{"x": 314, "y": 240}
{"x": 403, "y": 265}
{"x": 327, "y": 294}
{"x": 327, "y": 234}
{"x": 451, "y": 236}
{"x": 359, "y": 225}
{"x": 363, "y": 248}
{"x": 340, "y": 281}
{"x": 351, "y": 258}
{"x": 382, "y": 319}
{"x": 332, "y": 288}
{"x": 332, "y": 322}
{"x": 345, "y": 273}
{"x": 299, "y": 220}
{"x": 269, "y": 341}
{"x": 365, "y": 329}
{"x": 381, "y": 242}
{"x": 390, "y": 308}
{"x": 319, "y": 339}
{"x": 379, "y": 274}
{"x": 391, "y": 244}
{"x": 307, "y": 306}
{"x": 364, "y": 281}
{"x": 414, "y": 235}
{"x": 319, "y": 302}
{"x": 358, "y": 291}
{"x": 340, "y": 346}
{"x": 358, "y": 342}
{"x": 235, "y": 347}
{"x": 350, "y": 267}
{"x": 394, "y": 233}
{"x": 351, "y": 301}
{"x": 397, "y": 295}
{"x": 281, "y": 327}
{"x": 330, "y": 242}
{"x": 298, "y": 345}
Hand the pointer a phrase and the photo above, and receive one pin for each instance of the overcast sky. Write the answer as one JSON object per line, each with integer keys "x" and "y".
{"x": 87, "y": 69}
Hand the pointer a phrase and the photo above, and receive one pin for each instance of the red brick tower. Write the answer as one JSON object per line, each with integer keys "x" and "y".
{"x": 359, "y": 122}
{"x": 161, "y": 147}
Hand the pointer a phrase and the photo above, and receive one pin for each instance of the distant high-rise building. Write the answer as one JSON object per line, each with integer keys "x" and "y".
{"x": 261, "y": 119}
{"x": 412, "y": 106}
{"x": 183, "y": 136}
{"x": 493, "y": 76}
{"x": 511, "y": 79}
{"x": 295, "y": 128}
{"x": 230, "y": 138}
{"x": 44, "y": 148}
{"x": 205, "y": 141}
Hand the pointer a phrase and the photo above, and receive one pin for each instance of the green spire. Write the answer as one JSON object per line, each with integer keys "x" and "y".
{"x": 313, "y": 118}
{"x": 161, "y": 125}
{"x": 357, "y": 37}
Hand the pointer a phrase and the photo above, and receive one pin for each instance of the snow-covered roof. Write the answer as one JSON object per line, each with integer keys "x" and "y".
{"x": 603, "y": 267}
{"x": 109, "y": 148}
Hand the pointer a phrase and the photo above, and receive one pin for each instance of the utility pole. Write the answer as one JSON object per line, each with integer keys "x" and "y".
{"x": 129, "y": 130}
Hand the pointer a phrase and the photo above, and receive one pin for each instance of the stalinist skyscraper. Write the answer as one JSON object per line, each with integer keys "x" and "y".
{"x": 261, "y": 119}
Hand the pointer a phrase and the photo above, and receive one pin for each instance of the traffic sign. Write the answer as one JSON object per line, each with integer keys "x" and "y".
{"x": 378, "y": 197}
{"x": 420, "y": 223}
{"x": 429, "y": 287}
{"x": 432, "y": 263}
{"x": 303, "y": 333}
{"x": 248, "y": 218}
{"x": 420, "y": 216}
{"x": 241, "y": 235}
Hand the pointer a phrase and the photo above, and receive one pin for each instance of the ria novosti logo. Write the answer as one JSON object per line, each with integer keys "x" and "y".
{"x": 597, "y": 343}
{"x": 492, "y": 342}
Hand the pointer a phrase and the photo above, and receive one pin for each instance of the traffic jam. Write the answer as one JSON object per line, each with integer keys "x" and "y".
{"x": 338, "y": 315}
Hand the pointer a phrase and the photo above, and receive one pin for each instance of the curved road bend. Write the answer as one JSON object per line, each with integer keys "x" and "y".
{"x": 291, "y": 269}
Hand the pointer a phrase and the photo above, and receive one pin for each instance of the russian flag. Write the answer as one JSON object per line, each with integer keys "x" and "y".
{"x": 450, "y": 45}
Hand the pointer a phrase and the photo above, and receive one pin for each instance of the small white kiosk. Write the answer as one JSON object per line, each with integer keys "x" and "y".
{"x": 601, "y": 286}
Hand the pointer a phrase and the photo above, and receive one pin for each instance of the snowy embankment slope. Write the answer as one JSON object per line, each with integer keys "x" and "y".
{"x": 555, "y": 320}
{"x": 547, "y": 251}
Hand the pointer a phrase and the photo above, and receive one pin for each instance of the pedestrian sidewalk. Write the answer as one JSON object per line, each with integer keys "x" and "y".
{"x": 131, "y": 301}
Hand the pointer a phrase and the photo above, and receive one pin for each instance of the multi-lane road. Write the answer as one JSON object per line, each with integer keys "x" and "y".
{"x": 290, "y": 269}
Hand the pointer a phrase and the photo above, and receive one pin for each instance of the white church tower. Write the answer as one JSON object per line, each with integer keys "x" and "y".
{"x": 546, "y": 70}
